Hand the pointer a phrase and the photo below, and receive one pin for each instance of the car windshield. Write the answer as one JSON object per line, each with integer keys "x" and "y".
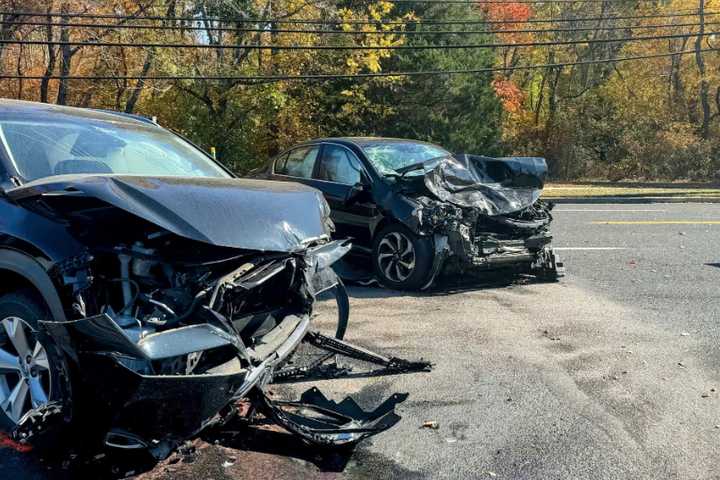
{"x": 390, "y": 156}
{"x": 45, "y": 148}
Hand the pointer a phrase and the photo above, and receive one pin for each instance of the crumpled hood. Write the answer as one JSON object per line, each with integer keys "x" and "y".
{"x": 229, "y": 212}
{"x": 496, "y": 186}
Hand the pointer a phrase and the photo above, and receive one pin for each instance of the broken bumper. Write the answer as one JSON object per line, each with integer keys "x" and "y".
{"x": 321, "y": 421}
{"x": 531, "y": 255}
{"x": 144, "y": 408}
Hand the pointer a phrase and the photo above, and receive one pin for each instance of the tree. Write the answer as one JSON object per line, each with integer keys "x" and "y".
{"x": 461, "y": 113}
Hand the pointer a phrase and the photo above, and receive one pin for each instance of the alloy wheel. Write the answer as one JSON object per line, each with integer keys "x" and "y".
{"x": 24, "y": 369}
{"x": 396, "y": 256}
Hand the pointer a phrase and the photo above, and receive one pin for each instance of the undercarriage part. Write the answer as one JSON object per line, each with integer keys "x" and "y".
{"x": 318, "y": 368}
{"x": 38, "y": 420}
{"x": 548, "y": 265}
{"x": 324, "y": 422}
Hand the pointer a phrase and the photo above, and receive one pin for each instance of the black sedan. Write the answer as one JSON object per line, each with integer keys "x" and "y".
{"x": 416, "y": 209}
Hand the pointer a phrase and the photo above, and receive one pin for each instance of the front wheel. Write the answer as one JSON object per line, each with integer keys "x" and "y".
{"x": 30, "y": 366}
{"x": 402, "y": 259}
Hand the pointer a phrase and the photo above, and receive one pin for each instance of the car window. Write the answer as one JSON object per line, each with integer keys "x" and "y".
{"x": 279, "y": 163}
{"x": 298, "y": 163}
{"x": 41, "y": 149}
{"x": 338, "y": 164}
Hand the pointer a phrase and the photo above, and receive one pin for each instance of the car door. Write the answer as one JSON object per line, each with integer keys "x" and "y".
{"x": 337, "y": 172}
{"x": 296, "y": 165}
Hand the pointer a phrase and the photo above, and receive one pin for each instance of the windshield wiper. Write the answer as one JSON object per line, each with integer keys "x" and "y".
{"x": 410, "y": 168}
{"x": 401, "y": 172}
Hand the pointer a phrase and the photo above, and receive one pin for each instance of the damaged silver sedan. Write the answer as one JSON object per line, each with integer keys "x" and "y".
{"x": 144, "y": 290}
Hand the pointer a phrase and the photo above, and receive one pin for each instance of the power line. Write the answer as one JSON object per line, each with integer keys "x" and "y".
{"x": 322, "y": 77}
{"x": 351, "y": 47}
{"x": 356, "y": 32}
{"x": 315, "y": 21}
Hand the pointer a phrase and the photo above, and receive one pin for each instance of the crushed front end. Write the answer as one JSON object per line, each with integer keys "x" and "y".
{"x": 161, "y": 348}
{"x": 468, "y": 240}
{"x": 485, "y": 214}
{"x": 172, "y": 317}
{"x": 189, "y": 340}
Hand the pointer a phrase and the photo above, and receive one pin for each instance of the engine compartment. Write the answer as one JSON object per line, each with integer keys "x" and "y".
{"x": 149, "y": 281}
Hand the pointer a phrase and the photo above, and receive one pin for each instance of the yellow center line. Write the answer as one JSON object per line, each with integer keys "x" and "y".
{"x": 657, "y": 222}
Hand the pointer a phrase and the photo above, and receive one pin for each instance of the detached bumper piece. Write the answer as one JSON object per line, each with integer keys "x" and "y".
{"x": 320, "y": 370}
{"x": 323, "y": 422}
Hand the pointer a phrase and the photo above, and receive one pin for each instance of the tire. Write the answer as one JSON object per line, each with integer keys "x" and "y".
{"x": 41, "y": 376}
{"x": 402, "y": 260}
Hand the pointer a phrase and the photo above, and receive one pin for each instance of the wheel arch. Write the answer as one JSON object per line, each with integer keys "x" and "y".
{"x": 19, "y": 270}
{"x": 380, "y": 224}
{"x": 388, "y": 220}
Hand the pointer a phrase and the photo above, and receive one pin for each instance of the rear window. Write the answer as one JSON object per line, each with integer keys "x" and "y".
{"x": 298, "y": 163}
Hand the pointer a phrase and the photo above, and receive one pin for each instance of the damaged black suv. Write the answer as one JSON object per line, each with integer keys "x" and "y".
{"x": 144, "y": 289}
{"x": 416, "y": 209}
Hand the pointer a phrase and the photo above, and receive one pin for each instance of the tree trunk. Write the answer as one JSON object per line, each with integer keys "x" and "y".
{"x": 135, "y": 96}
{"x": 704, "y": 86}
{"x": 67, "y": 53}
{"x": 50, "y": 69}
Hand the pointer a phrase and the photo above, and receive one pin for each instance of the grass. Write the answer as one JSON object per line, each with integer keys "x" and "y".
{"x": 621, "y": 189}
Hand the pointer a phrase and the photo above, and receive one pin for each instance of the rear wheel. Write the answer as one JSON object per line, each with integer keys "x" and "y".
{"x": 402, "y": 259}
{"x": 30, "y": 367}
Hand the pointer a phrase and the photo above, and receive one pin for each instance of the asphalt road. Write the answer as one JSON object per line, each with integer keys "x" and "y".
{"x": 612, "y": 373}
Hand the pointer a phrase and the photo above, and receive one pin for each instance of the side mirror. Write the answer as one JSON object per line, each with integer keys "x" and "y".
{"x": 354, "y": 192}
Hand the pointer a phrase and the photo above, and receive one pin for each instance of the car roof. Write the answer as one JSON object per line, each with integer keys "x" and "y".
{"x": 21, "y": 109}
{"x": 361, "y": 141}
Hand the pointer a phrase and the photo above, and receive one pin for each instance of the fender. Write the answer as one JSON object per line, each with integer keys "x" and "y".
{"x": 29, "y": 268}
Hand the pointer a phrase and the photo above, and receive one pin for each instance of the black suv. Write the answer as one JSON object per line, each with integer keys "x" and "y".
{"x": 414, "y": 208}
{"x": 144, "y": 289}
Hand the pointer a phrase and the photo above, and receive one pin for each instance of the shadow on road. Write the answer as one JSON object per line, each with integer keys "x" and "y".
{"x": 448, "y": 286}
{"x": 285, "y": 447}
{"x": 71, "y": 461}
{"x": 259, "y": 447}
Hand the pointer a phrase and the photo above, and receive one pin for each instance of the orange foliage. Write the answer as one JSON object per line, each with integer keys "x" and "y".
{"x": 509, "y": 12}
{"x": 510, "y": 94}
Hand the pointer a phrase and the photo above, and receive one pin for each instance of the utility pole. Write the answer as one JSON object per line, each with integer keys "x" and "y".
{"x": 704, "y": 87}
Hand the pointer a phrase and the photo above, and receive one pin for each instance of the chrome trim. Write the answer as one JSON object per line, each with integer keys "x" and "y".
{"x": 260, "y": 373}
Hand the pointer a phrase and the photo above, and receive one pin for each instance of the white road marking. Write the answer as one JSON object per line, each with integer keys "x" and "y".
{"x": 605, "y": 210}
{"x": 657, "y": 222}
{"x": 589, "y": 248}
